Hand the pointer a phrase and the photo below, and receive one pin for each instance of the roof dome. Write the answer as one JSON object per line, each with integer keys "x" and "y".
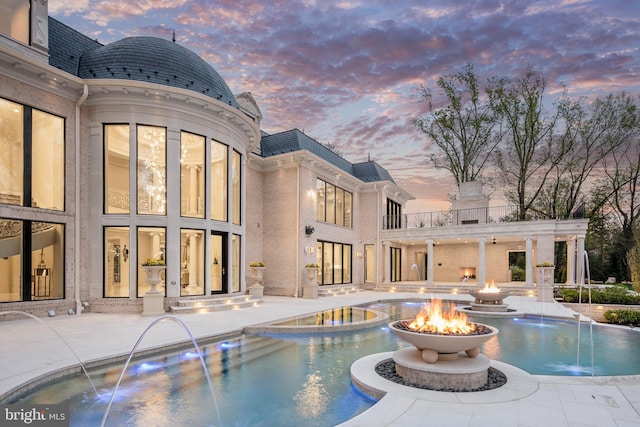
{"x": 155, "y": 60}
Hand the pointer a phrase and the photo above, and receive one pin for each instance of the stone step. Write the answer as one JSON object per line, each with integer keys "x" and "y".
{"x": 205, "y": 305}
{"x": 329, "y": 291}
{"x": 234, "y": 352}
{"x": 250, "y": 348}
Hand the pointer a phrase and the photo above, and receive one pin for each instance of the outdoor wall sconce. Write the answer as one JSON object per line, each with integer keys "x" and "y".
{"x": 309, "y": 230}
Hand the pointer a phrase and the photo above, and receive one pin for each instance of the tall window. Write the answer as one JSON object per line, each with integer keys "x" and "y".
{"x": 335, "y": 262}
{"x": 235, "y": 182}
{"x": 32, "y": 160}
{"x": 47, "y": 161}
{"x": 14, "y": 20}
{"x": 219, "y": 167}
{"x": 334, "y": 204}
{"x": 348, "y": 206}
{"x": 320, "y": 190}
{"x": 151, "y": 244}
{"x": 192, "y": 175}
{"x": 152, "y": 171}
{"x": 396, "y": 264}
{"x": 32, "y": 260}
{"x": 191, "y": 262}
{"x": 394, "y": 215}
{"x": 116, "y": 169}
{"x": 235, "y": 263}
{"x": 47, "y": 260}
{"x": 218, "y": 243}
{"x": 116, "y": 262}
{"x": 12, "y": 158}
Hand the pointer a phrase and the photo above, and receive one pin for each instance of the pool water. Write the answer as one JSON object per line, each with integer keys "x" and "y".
{"x": 304, "y": 380}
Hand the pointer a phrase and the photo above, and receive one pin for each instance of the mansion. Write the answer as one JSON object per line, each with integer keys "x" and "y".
{"x": 116, "y": 154}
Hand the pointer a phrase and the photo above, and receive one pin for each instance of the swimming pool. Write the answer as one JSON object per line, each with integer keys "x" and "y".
{"x": 285, "y": 379}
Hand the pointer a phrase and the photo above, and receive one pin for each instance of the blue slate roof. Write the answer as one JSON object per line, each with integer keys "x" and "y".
{"x": 371, "y": 172}
{"x": 295, "y": 140}
{"x": 66, "y": 45}
{"x": 147, "y": 59}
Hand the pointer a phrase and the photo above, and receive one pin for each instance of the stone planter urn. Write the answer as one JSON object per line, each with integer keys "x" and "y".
{"x": 544, "y": 280}
{"x": 153, "y": 300}
{"x": 310, "y": 289}
{"x": 312, "y": 275}
{"x": 257, "y": 273}
{"x": 154, "y": 277}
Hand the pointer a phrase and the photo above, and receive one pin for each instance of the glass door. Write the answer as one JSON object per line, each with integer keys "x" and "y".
{"x": 218, "y": 263}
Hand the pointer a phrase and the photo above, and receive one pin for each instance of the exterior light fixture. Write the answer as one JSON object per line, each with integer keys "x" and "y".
{"x": 309, "y": 230}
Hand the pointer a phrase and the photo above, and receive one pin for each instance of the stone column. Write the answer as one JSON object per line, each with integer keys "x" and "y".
{"x": 193, "y": 260}
{"x": 155, "y": 244}
{"x": 481, "y": 273}
{"x": 580, "y": 261}
{"x": 529, "y": 261}
{"x": 430, "y": 262}
{"x": 193, "y": 189}
{"x": 386, "y": 262}
{"x": 571, "y": 263}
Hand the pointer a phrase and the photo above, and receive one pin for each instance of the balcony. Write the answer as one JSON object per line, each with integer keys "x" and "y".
{"x": 484, "y": 215}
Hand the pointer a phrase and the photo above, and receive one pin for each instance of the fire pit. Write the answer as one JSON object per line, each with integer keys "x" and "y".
{"x": 489, "y": 298}
{"x": 442, "y": 337}
{"x": 450, "y": 346}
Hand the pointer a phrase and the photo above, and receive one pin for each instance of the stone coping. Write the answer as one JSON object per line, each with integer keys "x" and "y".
{"x": 519, "y": 384}
{"x": 275, "y": 328}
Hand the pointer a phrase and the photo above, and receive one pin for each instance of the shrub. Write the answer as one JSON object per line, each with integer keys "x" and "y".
{"x": 609, "y": 295}
{"x": 623, "y": 317}
{"x": 518, "y": 274}
{"x": 257, "y": 264}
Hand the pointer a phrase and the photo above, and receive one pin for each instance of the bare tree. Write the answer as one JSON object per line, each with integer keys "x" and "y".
{"x": 623, "y": 181}
{"x": 591, "y": 133}
{"x": 528, "y": 152}
{"x": 462, "y": 128}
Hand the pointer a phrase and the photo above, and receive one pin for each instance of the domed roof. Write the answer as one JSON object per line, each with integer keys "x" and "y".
{"x": 155, "y": 60}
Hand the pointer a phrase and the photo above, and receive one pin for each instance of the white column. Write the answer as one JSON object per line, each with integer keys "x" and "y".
{"x": 193, "y": 189}
{"x": 529, "y": 261}
{"x": 580, "y": 261}
{"x": 386, "y": 261}
{"x": 571, "y": 263}
{"x": 430, "y": 262}
{"x": 481, "y": 274}
{"x": 155, "y": 245}
{"x": 193, "y": 260}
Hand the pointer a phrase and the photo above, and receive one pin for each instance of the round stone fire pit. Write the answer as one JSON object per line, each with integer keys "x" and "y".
{"x": 489, "y": 297}
{"x": 436, "y": 347}
{"x": 446, "y": 367}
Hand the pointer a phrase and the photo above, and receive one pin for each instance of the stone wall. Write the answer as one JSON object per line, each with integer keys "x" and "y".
{"x": 598, "y": 310}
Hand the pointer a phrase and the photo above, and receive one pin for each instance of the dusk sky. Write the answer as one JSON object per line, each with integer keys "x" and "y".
{"x": 346, "y": 72}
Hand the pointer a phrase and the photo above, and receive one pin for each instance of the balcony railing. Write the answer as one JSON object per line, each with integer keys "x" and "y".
{"x": 459, "y": 217}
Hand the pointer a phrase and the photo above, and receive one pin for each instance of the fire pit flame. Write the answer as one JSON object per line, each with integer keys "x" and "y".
{"x": 490, "y": 289}
{"x": 432, "y": 320}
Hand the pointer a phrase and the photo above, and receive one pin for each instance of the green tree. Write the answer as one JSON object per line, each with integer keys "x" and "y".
{"x": 462, "y": 127}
